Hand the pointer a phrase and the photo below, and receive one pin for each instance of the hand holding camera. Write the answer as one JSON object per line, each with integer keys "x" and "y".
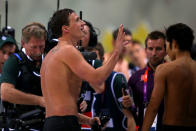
{"x": 103, "y": 119}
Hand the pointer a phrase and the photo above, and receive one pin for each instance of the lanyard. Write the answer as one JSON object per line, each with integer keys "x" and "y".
{"x": 145, "y": 85}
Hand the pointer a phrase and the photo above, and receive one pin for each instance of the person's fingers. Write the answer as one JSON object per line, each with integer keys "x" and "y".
{"x": 82, "y": 110}
{"x": 126, "y": 101}
{"x": 120, "y": 33}
{"x": 95, "y": 120}
{"x": 98, "y": 121}
{"x": 82, "y": 106}
{"x": 125, "y": 43}
{"x": 123, "y": 91}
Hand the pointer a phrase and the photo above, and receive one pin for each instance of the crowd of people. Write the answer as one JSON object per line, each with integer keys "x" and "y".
{"x": 74, "y": 85}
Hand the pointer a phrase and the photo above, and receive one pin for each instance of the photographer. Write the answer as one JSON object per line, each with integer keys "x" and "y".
{"x": 7, "y": 47}
{"x": 113, "y": 105}
{"x": 20, "y": 80}
{"x": 90, "y": 36}
{"x": 89, "y": 41}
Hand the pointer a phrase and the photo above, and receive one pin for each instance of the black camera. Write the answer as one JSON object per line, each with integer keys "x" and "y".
{"x": 8, "y": 31}
{"x": 28, "y": 120}
{"x": 103, "y": 119}
{"x": 88, "y": 56}
{"x": 32, "y": 119}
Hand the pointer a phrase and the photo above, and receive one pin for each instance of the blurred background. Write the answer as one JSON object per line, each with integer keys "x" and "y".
{"x": 140, "y": 16}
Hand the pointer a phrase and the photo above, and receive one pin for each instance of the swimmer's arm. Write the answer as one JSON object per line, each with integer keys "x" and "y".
{"x": 12, "y": 95}
{"x": 156, "y": 98}
{"x": 82, "y": 119}
{"x": 85, "y": 71}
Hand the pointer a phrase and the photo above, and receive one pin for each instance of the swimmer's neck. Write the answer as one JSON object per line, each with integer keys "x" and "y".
{"x": 183, "y": 54}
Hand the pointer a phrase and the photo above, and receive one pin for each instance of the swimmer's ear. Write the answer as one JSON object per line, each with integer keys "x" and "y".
{"x": 175, "y": 44}
{"x": 65, "y": 28}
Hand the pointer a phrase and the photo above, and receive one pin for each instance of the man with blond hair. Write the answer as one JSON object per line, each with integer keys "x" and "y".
{"x": 20, "y": 80}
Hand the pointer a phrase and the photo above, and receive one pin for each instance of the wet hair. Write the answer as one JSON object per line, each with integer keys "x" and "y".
{"x": 58, "y": 19}
{"x": 125, "y": 30}
{"x": 182, "y": 34}
{"x": 155, "y": 35}
{"x": 34, "y": 29}
{"x": 93, "y": 34}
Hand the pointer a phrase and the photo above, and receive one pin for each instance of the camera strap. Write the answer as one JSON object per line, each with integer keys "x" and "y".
{"x": 111, "y": 81}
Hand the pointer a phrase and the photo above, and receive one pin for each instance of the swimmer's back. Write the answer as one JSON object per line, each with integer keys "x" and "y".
{"x": 180, "y": 100}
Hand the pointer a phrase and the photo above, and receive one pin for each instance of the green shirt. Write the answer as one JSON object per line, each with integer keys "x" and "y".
{"x": 10, "y": 72}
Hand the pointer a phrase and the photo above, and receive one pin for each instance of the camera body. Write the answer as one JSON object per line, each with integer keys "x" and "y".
{"x": 8, "y": 31}
{"x": 103, "y": 119}
{"x": 31, "y": 119}
{"x": 88, "y": 56}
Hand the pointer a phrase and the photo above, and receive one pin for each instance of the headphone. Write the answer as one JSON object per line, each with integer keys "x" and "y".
{"x": 93, "y": 34}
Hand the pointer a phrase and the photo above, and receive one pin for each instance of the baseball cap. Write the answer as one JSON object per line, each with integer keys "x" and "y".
{"x": 6, "y": 39}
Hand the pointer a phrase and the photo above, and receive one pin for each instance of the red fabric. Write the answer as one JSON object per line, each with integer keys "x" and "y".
{"x": 137, "y": 128}
{"x": 89, "y": 114}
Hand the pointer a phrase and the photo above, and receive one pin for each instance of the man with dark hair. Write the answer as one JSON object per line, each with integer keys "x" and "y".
{"x": 20, "y": 80}
{"x": 90, "y": 38}
{"x": 63, "y": 70}
{"x": 142, "y": 82}
{"x": 127, "y": 32}
{"x": 88, "y": 44}
{"x": 155, "y": 35}
{"x": 122, "y": 64}
{"x": 175, "y": 82}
